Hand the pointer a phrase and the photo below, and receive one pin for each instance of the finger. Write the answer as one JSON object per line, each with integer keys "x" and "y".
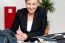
{"x": 21, "y": 38}
{"x": 19, "y": 32}
{"x": 25, "y": 36}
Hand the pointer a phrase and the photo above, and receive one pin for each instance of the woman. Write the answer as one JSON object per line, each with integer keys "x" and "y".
{"x": 32, "y": 21}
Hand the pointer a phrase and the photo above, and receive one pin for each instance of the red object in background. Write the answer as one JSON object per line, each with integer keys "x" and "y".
{"x": 9, "y": 16}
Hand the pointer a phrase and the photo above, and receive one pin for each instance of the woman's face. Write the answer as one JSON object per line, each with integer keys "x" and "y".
{"x": 31, "y": 5}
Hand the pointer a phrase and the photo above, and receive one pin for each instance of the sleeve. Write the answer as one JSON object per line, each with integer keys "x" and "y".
{"x": 15, "y": 24}
{"x": 43, "y": 26}
{"x": 44, "y": 20}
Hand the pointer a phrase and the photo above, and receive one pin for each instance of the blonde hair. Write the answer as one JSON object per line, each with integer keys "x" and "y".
{"x": 27, "y": 0}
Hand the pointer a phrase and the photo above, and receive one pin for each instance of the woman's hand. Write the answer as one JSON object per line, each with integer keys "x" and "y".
{"x": 24, "y": 36}
{"x": 19, "y": 32}
{"x": 20, "y": 35}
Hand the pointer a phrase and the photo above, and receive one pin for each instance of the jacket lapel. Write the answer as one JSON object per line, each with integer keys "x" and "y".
{"x": 33, "y": 23}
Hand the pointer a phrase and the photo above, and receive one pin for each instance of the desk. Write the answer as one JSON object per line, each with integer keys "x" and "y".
{"x": 60, "y": 37}
{"x": 38, "y": 42}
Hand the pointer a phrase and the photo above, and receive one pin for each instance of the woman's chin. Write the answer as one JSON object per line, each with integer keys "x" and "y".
{"x": 31, "y": 12}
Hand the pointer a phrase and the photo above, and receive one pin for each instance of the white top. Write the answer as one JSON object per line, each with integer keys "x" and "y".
{"x": 29, "y": 25}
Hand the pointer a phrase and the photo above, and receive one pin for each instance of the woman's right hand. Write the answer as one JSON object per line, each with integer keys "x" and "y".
{"x": 19, "y": 32}
{"x": 19, "y": 37}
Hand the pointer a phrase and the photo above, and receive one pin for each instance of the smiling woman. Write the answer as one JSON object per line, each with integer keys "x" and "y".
{"x": 32, "y": 21}
{"x": 31, "y": 5}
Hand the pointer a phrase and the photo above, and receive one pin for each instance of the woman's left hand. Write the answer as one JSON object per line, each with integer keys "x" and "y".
{"x": 25, "y": 36}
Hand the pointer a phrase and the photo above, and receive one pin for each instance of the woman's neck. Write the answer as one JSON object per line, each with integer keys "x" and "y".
{"x": 30, "y": 17}
{"x": 30, "y": 14}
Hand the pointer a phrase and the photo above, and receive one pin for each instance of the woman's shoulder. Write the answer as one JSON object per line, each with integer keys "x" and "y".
{"x": 22, "y": 10}
{"x": 41, "y": 10}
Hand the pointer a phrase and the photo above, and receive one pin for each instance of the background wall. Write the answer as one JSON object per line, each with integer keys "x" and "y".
{"x": 56, "y": 19}
{"x": 18, "y": 3}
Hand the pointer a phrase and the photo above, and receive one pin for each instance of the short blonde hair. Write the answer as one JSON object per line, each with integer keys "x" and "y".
{"x": 27, "y": 0}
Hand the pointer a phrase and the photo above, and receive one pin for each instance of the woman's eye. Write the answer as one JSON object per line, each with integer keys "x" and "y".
{"x": 34, "y": 4}
{"x": 28, "y": 3}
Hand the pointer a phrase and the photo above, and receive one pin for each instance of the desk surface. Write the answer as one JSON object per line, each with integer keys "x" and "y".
{"x": 58, "y": 36}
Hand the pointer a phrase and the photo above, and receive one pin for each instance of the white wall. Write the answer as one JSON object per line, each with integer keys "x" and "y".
{"x": 18, "y": 3}
{"x": 56, "y": 19}
{"x": 1, "y": 15}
